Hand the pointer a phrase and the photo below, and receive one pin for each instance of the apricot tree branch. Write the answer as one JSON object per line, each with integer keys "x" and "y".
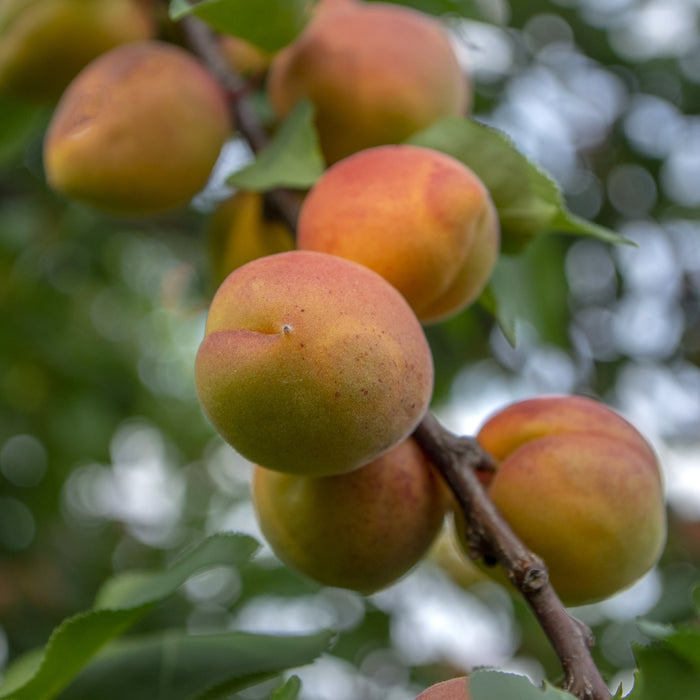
{"x": 458, "y": 459}
{"x": 202, "y": 41}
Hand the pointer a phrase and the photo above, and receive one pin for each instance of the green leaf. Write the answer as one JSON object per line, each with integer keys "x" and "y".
{"x": 19, "y": 122}
{"x": 178, "y": 666}
{"x": 496, "y": 685}
{"x": 461, "y": 8}
{"x": 268, "y": 24}
{"x": 291, "y": 159}
{"x": 529, "y": 202}
{"x": 502, "y": 311}
{"x": 664, "y": 674}
{"x": 288, "y": 691}
{"x": 121, "y": 602}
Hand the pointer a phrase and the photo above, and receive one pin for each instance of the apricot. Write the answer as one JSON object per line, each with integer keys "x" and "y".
{"x": 376, "y": 73}
{"x": 45, "y": 43}
{"x": 420, "y": 218}
{"x": 447, "y": 553}
{"x": 138, "y": 131}
{"x": 312, "y": 364}
{"x": 244, "y": 58}
{"x": 362, "y": 530}
{"x": 582, "y": 488}
{"x": 239, "y": 233}
{"x": 453, "y": 689}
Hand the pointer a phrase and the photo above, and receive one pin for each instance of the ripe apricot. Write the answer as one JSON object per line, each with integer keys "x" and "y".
{"x": 376, "y": 73}
{"x": 362, "y": 530}
{"x": 45, "y": 43}
{"x": 312, "y": 364}
{"x": 582, "y": 488}
{"x": 420, "y": 218}
{"x": 138, "y": 131}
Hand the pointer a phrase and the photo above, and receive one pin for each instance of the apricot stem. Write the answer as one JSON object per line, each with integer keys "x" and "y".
{"x": 458, "y": 459}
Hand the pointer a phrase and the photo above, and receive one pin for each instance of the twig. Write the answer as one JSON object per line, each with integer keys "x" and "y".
{"x": 457, "y": 458}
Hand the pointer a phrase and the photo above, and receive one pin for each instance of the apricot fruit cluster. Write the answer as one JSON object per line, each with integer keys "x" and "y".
{"x": 317, "y": 369}
{"x": 581, "y": 488}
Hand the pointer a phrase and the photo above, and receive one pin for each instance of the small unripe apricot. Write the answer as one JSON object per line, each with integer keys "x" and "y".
{"x": 245, "y": 59}
{"x": 138, "y": 131}
{"x": 45, "y": 43}
{"x": 418, "y": 217}
{"x": 582, "y": 489}
{"x": 239, "y": 233}
{"x": 376, "y": 73}
{"x": 454, "y": 689}
{"x": 362, "y": 530}
{"x": 312, "y": 364}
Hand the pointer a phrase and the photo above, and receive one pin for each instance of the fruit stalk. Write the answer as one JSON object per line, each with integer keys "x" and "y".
{"x": 458, "y": 459}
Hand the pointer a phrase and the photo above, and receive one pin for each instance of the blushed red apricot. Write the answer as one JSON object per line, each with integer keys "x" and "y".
{"x": 138, "y": 131}
{"x": 362, "y": 530}
{"x": 582, "y": 488}
{"x": 418, "y": 217}
{"x": 375, "y": 72}
{"x": 312, "y": 364}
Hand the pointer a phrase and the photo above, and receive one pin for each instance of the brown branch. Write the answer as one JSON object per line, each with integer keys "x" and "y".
{"x": 457, "y": 458}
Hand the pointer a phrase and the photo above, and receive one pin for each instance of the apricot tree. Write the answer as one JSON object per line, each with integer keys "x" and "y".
{"x": 318, "y": 364}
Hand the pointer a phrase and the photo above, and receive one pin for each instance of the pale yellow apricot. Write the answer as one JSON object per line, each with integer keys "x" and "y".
{"x": 239, "y": 233}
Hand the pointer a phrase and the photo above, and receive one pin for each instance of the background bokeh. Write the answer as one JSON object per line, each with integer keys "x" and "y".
{"x": 107, "y": 464}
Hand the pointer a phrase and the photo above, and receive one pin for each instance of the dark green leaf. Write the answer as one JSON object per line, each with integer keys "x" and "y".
{"x": 291, "y": 159}
{"x": 461, "y": 8}
{"x": 129, "y": 597}
{"x": 18, "y": 123}
{"x": 288, "y": 691}
{"x": 177, "y": 666}
{"x": 495, "y": 685}
{"x": 528, "y": 200}
{"x": 268, "y": 24}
